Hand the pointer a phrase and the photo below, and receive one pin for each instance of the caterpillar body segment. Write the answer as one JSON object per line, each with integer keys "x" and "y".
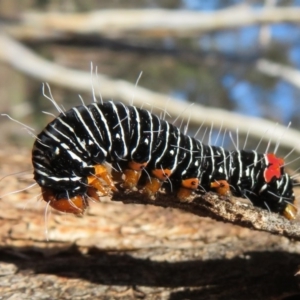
{"x": 69, "y": 156}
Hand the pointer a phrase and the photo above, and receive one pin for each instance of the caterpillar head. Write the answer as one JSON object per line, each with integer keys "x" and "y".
{"x": 277, "y": 194}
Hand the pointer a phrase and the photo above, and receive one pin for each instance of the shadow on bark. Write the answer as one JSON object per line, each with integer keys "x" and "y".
{"x": 237, "y": 278}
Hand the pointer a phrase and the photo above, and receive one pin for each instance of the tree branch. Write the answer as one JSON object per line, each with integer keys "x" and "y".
{"x": 33, "y": 65}
{"x": 145, "y": 23}
{"x": 133, "y": 251}
{"x": 223, "y": 209}
{"x": 274, "y": 69}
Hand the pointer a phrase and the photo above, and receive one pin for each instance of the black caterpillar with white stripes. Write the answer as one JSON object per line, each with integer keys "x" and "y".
{"x": 69, "y": 158}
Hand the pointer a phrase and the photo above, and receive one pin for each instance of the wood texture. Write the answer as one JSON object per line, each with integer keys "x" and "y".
{"x": 119, "y": 251}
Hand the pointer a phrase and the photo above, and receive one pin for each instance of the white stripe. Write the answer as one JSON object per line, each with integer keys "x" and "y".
{"x": 151, "y": 136}
{"x": 253, "y": 179}
{"x": 72, "y": 130}
{"x": 166, "y": 144}
{"x": 286, "y": 184}
{"x": 225, "y": 160}
{"x": 40, "y": 165}
{"x": 73, "y": 155}
{"x": 178, "y": 144}
{"x": 200, "y": 158}
{"x": 122, "y": 129}
{"x": 94, "y": 121}
{"x": 107, "y": 130}
{"x": 88, "y": 130}
{"x": 191, "y": 152}
{"x": 52, "y": 136}
{"x": 240, "y": 167}
{"x": 138, "y": 129}
{"x": 212, "y": 157}
{"x": 59, "y": 178}
{"x": 66, "y": 137}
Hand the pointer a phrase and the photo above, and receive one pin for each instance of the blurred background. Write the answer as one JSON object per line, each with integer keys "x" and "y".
{"x": 231, "y": 57}
{"x": 241, "y": 56}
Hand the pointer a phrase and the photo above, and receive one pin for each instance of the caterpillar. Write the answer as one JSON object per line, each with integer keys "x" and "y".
{"x": 69, "y": 159}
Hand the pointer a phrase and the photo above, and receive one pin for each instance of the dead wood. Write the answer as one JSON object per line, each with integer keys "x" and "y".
{"x": 154, "y": 23}
{"x": 131, "y": 251}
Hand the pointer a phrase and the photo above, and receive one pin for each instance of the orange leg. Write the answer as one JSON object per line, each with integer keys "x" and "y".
{"x": 133, "y": 174}
{"x": 117, "y": 176}
{"x": 188, "y": 186}
{"x": 92, "y": 193}
{"x": 79, "y": 203}
{"x": 221, "y": 187}
{"x": 152, "y": 186}
{"x": 131, "y": 178}
{"x": 155, "y": 182}
{"x": 101, "y": 173}
{"x": 290, "y": 212}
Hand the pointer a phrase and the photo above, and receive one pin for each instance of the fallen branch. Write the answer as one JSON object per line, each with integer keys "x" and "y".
{"x": 155, "y": 23}
{"x": 105, "y": 224}
{"x": 222, "y": 209}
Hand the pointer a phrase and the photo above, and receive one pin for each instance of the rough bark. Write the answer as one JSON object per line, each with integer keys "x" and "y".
{"x": 129, "y": 251}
